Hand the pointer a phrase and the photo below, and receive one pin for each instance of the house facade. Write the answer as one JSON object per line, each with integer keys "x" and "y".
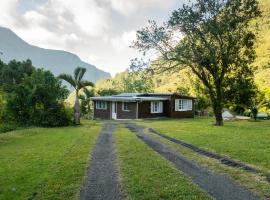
{"x": 143, "y": 105}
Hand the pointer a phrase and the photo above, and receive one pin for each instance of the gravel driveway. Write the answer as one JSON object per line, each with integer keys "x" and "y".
{"x": 102, "y": 180}
{"x": 218, "y": 186}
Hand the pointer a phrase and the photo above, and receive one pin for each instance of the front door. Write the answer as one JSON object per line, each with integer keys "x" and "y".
{"x": 114, "y": 110}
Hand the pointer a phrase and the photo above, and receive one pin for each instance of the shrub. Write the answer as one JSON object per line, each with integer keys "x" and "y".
{"x": 38, "y": 101}
{"x": 7, "y": 127}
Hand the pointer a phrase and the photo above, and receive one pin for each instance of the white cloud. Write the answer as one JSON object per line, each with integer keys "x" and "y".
{"x": 123, "y": 42}
{"x": 93, "y": 29}
{"x": 129, "y": 7}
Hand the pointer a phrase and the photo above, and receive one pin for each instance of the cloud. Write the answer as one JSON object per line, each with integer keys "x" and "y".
{"x": 99, "y": 31}
{"x": 129, "y": 7}
{"x": 122, "y": 43}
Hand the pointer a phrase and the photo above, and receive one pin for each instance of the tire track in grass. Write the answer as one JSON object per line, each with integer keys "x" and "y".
{"x": 145, "y": 175}
{"x": 216, "y": 185}
{"x": 102, "y": 179}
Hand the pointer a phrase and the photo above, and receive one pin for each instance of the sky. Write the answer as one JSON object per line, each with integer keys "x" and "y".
{"x": 100, "y": 32}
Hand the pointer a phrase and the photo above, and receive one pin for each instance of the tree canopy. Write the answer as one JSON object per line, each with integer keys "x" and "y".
{"x": 215, "y": 41}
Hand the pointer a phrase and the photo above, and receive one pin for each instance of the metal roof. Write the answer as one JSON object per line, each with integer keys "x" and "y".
{"x": 128, "y": 99}
{"x": 129, "y": 94}
{"x": 133, "y": 97}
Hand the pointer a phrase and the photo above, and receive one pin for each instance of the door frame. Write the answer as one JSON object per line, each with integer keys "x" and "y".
{"x": 114, "y": 110}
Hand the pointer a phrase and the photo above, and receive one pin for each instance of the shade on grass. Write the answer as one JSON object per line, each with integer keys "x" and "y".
{"x": 242, "y": 140}
{"x": 147, "y": 175}
{"x": 45, "y": 163}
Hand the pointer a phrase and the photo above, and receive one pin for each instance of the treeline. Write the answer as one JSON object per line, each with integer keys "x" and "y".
{"x": 242, "y": 92}
{"x": 31, "y": 96}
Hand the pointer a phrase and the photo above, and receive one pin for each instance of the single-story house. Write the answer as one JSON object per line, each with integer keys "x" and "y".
{"x": 143, "y": 105}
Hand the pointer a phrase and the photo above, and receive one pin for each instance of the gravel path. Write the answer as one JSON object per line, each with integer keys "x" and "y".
{"x": 216, "y": 185}
{"x": 102, "y": 180}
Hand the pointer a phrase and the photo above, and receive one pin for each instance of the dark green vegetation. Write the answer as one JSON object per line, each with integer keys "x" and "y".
{"x": 241, "y": 140}
{"x": 77, "y": 83}
{"x": 45, "y": 163}
{"x": 146, "y": 175}
{"x": 30, "y": 96}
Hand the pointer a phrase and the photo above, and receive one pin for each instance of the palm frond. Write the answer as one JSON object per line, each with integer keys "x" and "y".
{"x": 83, "y": 84}
{"x": 79, "y": 73}
{"x": 68, "y": 78}
{"x": 88, "y": 93}
{"x": 82, "y": 97}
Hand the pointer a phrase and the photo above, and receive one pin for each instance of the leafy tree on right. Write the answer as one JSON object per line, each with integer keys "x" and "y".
{"x": 211, "y": 37}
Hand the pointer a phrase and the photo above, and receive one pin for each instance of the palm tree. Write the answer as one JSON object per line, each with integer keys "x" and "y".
{"x": 86, "y": 99}
{"x": 76, "y": 82}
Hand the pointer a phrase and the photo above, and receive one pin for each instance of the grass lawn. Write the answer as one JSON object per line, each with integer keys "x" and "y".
{"x": 246, "y": 141}
{"x": 42, "y": 163}
{"x": 145, "y": 174}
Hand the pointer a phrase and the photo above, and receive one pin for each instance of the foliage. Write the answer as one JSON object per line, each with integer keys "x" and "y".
{"x": 2, "y": 105}
{"x": 240, "y": 90}
{"x": 78, "y": 83}
{"x": 38, "y": 100}
{"x": 216, "y": 41}
{"x": 137, "y": 82}
{"x": 6, "y": 127}
{"x": 13, "y": 73}
{"x": 125, "y": 82}
{"x": 107, "y": 92}
{"x": 85, "y": 100}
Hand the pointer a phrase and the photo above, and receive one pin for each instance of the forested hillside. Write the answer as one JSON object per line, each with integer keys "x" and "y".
{"x": 184, "y": 81}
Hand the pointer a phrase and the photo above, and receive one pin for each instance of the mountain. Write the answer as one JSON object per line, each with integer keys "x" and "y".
{"x": 57, "y": 61}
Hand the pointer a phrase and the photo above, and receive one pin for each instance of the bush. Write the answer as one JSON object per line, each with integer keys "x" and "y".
{"x": 54, "y": 116}
{"x": 7, "y": 127}
{"x": 38, "y": 101}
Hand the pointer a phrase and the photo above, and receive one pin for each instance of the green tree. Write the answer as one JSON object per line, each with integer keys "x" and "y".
{"x": 240, "y": 89}
{"x": 14, "y": 72}
{"x": 78, "y": 83}
{"x": 107, "y": 92}
{"x": 38, "y": 100}
{"x": 85, "y": 100}
{"x": 2, "y": 105}
{"x": 137, "y": 82}
{"x": 215, "y": 41}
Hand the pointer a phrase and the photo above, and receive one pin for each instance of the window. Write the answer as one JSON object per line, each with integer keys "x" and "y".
{"x": 156, "y": 107}
{"x": 101, "y": 105}
{"x": 125, "y": 106}
{"x": 183, "y": 104}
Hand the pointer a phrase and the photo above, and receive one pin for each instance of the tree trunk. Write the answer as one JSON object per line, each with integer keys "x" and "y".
{"x": 217, "y": 108}
{"x": 77, "y": 111}
{"x": 218, "y": 116}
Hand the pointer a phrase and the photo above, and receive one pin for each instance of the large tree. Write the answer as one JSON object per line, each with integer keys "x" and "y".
{"x": 38, "y": 100}
{"x": 211, "y": 37}
{"x": 78, "y": 83}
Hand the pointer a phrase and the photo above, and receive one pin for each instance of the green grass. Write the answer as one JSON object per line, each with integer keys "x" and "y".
{"x": 145, "y": 174}
{"x": 242, "y": 140}
{"x": 42, "y": 163}
{"x": 256, "y": 183}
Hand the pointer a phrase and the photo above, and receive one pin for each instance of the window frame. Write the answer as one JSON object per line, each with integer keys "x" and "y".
{"x": 101, "y": 105}
{"x": 183, "y": 105}
{"x": 156, "y": 107}
{"x": 123, "y": 106}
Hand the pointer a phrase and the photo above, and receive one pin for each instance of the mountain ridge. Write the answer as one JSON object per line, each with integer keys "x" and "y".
{"x": 57, "y": 61}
